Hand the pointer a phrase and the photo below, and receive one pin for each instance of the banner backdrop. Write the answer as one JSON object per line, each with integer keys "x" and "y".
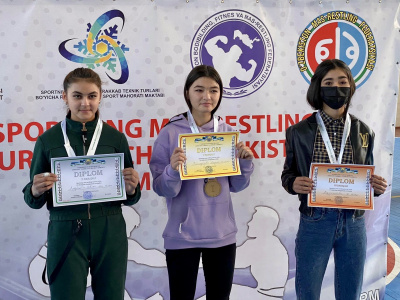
{"x": 266, "y": 52}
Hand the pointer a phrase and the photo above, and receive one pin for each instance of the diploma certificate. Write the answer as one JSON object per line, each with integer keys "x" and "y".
{"x": 209, "y": 155}
{"x": 341, "y": 186}
{"x": 88, "y": 179}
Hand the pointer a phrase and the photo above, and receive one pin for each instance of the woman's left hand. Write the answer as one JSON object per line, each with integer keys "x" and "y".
{"x": 131, "y": 178}
{"x": 379, "y": 184}
{"x": 244, "y": 151}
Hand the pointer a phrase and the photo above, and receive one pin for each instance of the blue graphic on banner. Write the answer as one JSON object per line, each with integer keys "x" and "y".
{"x": 239, "y": 46}
{"x": 101, "y": 48}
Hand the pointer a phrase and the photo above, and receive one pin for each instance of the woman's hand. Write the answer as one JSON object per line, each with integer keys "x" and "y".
{"x": 244, "y": 151}
{"x": 131, "y": 178}
{"x": 302, "y": 185}
{"x": 42, "y": 183}
{"x": 178, "y": 157}
{"x": 378, "y": 183}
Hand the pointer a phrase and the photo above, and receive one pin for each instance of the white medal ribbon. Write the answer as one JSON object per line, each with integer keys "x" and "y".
{"x": 327, "y": 142}
{"x": 195, "y": 129}
{"x": 193, "y": 125}
{"x": 93, "y": 143}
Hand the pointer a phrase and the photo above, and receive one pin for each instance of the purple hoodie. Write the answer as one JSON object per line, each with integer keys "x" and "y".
{"x": 195, "y": 219}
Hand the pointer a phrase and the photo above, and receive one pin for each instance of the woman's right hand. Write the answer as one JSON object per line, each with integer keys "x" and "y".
{"x": 177, "y": 158}
{"x": 302, "y": 185}
{"x": 42, "y": 183}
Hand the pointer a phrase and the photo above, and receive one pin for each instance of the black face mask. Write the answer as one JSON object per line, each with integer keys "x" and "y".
{"x": 335, "y": 97}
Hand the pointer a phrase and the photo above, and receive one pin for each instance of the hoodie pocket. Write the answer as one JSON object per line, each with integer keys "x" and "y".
{"x": 208, "y": 222}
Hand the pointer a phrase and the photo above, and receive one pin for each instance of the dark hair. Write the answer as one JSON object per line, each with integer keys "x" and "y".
{"x": 196, "y": 73}
{"x": 314, "y": 90}
{"x": 81, "y": 74}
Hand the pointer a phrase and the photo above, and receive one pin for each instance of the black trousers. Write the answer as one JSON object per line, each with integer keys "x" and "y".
{"x": 218, "y": 267}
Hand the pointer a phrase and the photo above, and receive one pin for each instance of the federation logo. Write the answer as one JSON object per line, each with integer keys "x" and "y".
{"x": 337, "y": 34}
{"x": 238, "y": 45}
{"x": 101, "y": 47}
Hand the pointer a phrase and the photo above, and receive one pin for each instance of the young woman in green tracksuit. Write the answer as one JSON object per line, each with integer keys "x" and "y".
{"x": 84, "y": 236}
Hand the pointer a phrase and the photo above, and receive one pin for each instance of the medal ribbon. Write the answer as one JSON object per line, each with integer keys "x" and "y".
{"x": 327, "y": 142}
{"x": 195, "y": 129}
{"x": 193, "y": 125}
{"x": 93, "y": 143}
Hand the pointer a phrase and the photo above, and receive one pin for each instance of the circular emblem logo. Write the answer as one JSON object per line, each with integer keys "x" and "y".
{"x": 337, "y": 34}
{"x": 209, "y": 169}
{"x": 338, "y": 199}
{"x": 87, "y": 195}
{"x": 238, "y": 45}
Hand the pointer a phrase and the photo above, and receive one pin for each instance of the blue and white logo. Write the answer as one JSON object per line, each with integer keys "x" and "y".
{"x": 238, "y": 45}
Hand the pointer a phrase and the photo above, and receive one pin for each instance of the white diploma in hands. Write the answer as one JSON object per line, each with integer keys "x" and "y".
{"x": 88, "y": 179}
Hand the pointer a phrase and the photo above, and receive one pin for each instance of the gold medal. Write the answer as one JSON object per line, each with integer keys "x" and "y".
{"x": 212, "y": 187}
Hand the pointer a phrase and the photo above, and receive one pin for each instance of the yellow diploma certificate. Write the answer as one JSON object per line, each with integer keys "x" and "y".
{"x": 341, "y": 186}
{"x": 209, "y": 155}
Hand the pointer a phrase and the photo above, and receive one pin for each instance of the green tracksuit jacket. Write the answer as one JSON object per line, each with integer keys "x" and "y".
{"x": 101, "y": 244}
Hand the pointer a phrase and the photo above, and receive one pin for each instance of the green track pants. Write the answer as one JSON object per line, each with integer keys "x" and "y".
{"x": 101, "y": 247}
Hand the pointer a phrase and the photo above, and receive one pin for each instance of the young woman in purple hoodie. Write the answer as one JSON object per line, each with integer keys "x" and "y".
{"x": 199, "y": 224}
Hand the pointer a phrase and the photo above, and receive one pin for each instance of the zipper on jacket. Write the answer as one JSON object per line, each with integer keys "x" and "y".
{"x": 84, "y": 139}
{"x": 180, "y": 227}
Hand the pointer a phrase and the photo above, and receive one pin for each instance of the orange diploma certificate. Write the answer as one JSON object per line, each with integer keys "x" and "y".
{"x": 341, "y": 186}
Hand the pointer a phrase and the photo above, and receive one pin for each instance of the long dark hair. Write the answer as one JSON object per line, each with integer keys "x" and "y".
{"x": 314, "y": 90}
{"x": 196, "y": 73}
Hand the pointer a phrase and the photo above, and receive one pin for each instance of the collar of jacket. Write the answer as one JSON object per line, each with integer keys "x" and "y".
{"x": 77, "y": 126}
